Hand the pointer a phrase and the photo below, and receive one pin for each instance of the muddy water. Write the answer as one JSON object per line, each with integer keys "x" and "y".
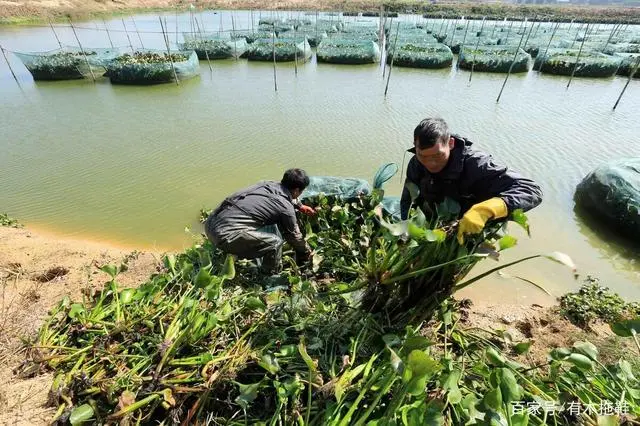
{"x": 133, "y": 165}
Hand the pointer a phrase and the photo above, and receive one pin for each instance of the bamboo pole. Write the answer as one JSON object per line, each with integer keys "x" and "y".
{"x": 233, "y": 34}
{"x": 473, "y": 63}
{"x": 176, "y": 24}
{"x": 14, "y": 74}
{"x": 127, "y": 33}
{"x": 295, "y": 52}
{"x": 631, "y": 74}
{"x": 610, "y": 37}
{"x": 575, "y": 65}
{"x": 93, "y": 77}
{"x": 166, "y": 42}
{"x": 464, "y": 38}
{"x": 108, "y": 35}
{"x": 515, "y": 57}
{"x": 548, "y": 44}
{"x": 273, "y": 43}
{"x": 395, "y": 42}
{"x": 206, "y": 52}
{"x": 506, "y": 41}
{"x": 137, "y": 32}
{"x": 55, "y": 34}
{"x": 384, "y": 64}
{"x": 453, "y": 35}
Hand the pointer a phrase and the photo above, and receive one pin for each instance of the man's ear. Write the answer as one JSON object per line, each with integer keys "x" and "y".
{"x": 452, "y": 142}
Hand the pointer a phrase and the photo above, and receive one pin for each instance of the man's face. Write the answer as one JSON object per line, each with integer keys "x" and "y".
{"x": 435, "y": 158}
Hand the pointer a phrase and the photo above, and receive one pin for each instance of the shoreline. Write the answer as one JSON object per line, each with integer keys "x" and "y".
{"x": 29, "y": 12}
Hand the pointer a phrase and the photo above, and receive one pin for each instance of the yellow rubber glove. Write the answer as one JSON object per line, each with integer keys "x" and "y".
{"x": 477, "y": 216}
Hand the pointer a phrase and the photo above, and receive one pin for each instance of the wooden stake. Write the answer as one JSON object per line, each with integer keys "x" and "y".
{"x": 127, "y": 33}
{"x": 108, "y": 35}
{"x": 513, "y": 63}
{"x": 384, "y": 67}
{"x": 56, "y": 35}
{"x": 16, "y": 78}
{"x": 166, "y": 42}
{"x": 473, "y": 63}
{"x": 464, "y": 38}
{"x": 137, "y": 32}
{"x": 635, "y": 69}
{"x": 93, "y": 77}
{"x": 273, "y": 41}
{"x": 176, "y": 24}
{"x": 206, "y": 52}
{"x": 395, "y": 42}
{"x": 610, "y": 37}
{"x": 548, "y": 44}
{"x": 233, "y": 34}
{"x": 295, "y": 51}
{"x": 578, "y": 57}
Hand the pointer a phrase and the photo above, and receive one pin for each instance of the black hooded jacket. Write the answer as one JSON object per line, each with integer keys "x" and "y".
{"x": 469, "y": 177}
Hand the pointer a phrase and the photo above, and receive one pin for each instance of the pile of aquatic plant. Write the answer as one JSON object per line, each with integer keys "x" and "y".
{"x": 203, "y": 340}
{"x": 494, "y": 59}
{"x": 421, "y": 55}
{"x": 151, "y": 67}
{"x": 216, "y": 48}
{"x": 348, "y": 51}
{"x": 67, "y": 63}
{"x": 284, "y": 50}
{"x": 576, "y": 62}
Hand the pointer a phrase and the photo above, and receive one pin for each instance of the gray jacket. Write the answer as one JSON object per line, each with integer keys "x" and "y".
{"x": 470, "y": 177}
{"x": 265, "y": 203}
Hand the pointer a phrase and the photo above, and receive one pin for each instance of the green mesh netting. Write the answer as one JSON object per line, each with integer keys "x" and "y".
{"x": 628, "y": 64}
{"x": 494, "y": 59}
{"x": 314, "y": 38}
{"x": 621, "y": 48}
{"x": 278, "y": 28}
{"x": 418, "y": 55}
{"x": 341, "y": 51}
{"x": 342, "y": 187}
{"x": 152, "y": 67}
{"x": 589, "y": 64}
{"x": 68, "y": 63}
{"x": 216, "y": 35}
{"x": 612, "y": 192}
{"x": 216, "y": 49}
{"x": 286, "y": 50}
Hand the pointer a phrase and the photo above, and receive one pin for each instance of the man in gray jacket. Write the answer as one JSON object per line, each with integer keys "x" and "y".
{"x": 234, "y": 225}
{"x": 445, "y": 165}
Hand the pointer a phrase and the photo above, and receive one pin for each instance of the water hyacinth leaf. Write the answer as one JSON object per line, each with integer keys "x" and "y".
{"x": 414, "y": 190}
{"x": 255, "y": 304}
{"x": 586, "y": 348}
{"x": 450, "y": 384}
{"x": 509, "y": 386}
{"x": 416, "y": 232}
{"x": 521, "y": 219}
{"x": 416, "y": 342}
{"x": 520, "y": 419}
{"x": 625, "y": 368}
{"x": 170, "y": 263}
{"x": 558, "y": 354}
{"x": 522, "y": 347}
{"x": 112, "y": 270}
{"x": 492, "y": 400}
{"x": 627, "y": 328}
{"x": 81, "y": 414}
{"x": 316, "y": 261}
{"x": 76, "y": 310}
{"x": 229, "y": 269}
{"x": 581, "y": 361}
{"x": 269, "y": 363}
{"x": 494, "y": 357}
{"x": 396, "y": 229}
{"x": 202, "y": 279}
{"x": 396, "y": 362}
{"x": 126, "y": 295}
{"x": 248, "y": 393}
{"x": 391, "y": 340}
{"x": 507, "y": 242}
{"x": 287, "y": 350}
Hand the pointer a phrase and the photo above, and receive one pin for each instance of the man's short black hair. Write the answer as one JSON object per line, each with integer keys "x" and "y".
{"x": 295, "y": 179}
{"x": 430, "y": 131}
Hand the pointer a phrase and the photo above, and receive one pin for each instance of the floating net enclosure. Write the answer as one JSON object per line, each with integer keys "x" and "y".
{"x": 417, "y": 55}
{"x": 628, "y": 64}
{"x": 589, "y": 64}
{"x": 68, "y": 63}
{"x": 153, "y": 67}
{"x": 494, "y": 59}
{"x": 342, "y": 51}
{"x": 622, "y": 48}
{"x": 286, "y": 50}
{"x": 216, "y": 49}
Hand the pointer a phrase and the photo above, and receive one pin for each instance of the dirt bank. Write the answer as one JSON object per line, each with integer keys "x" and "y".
{"x": 37, "y": 271}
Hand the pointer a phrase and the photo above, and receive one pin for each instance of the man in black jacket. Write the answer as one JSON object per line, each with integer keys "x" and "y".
{"x": 234, "y": 225}
{"x": 446, "y": 165}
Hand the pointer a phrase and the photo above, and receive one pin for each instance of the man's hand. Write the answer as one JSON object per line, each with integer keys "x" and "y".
{"x": 309, "y": 211}
{"x": 476, "y": 217}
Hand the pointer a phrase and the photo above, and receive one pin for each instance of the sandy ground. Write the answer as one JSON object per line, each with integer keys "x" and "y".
{"x": 37, "y": 270}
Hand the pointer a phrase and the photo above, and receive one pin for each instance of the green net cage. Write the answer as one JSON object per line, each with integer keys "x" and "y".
{"x": 153, "y": 66}
{"x": 585, "y": 63}
{"x": 353, "y": 52}
{"x": 286, "y": 50}
{"x": 494, "y": 59}
{"x": 216, "y": 49}
{"x": 67, "y": 63}
{"x": 417, "y": 55}
{"x": 628, "y": 64}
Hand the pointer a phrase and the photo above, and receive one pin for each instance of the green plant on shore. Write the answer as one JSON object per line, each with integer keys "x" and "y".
{"x": 5, "y": 220}
{"x": 595, "y": 302}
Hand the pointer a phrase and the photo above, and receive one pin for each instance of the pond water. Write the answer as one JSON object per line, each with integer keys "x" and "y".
{"x": 133, "y": 165}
